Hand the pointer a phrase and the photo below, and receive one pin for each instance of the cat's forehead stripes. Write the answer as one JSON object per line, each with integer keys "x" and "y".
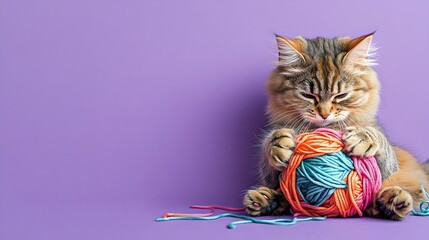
{"x": 321, "y": 47}
{"x": 327, "y": 76}
{"x": 323, "y": 78}
{"x": 325, "y": 52}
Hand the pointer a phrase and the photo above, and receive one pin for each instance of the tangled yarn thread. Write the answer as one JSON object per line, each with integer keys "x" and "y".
{"x": 321, "y": 180}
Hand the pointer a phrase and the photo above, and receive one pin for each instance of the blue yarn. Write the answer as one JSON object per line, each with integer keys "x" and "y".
{"x": 424, "y": 205}
{"x": 246, "y": 219}
{"x": 318, "y": 177}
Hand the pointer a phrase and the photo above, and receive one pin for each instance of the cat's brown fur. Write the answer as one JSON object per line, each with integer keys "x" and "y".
{"x": 330, "y": 83}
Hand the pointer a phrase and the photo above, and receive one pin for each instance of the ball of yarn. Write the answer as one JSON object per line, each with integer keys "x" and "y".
{"x": 321, "y": 180}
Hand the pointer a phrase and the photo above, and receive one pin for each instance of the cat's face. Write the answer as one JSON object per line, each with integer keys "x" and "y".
{"x": 323, "y": 82}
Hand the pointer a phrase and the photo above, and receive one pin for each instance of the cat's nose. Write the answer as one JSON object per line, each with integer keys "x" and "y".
{"x": 325, "y": 115}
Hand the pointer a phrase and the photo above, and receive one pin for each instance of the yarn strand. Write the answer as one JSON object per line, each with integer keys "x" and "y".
{"x": 424, "y": 205}
{"x": 246, "y": 219}
{"x": 209, "y": 207}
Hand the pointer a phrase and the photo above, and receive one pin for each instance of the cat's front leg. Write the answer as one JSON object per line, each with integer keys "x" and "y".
{"x": 369, "y": 141}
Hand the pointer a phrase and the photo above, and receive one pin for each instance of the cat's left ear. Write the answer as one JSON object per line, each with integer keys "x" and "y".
{"x": 359, "y": 52}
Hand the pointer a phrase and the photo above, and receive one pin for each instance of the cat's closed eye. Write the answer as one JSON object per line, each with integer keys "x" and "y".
{"x": 309, "y": 96}
{"x": 340, "y": 96}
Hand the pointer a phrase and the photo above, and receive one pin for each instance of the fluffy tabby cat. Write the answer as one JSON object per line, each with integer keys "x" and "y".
{"x": 330, "y": 83}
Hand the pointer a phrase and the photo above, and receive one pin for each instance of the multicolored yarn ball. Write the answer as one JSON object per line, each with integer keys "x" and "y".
{"x": 321, "y": 180}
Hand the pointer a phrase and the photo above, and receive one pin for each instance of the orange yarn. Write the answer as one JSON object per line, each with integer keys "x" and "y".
{"x": 343, "y": 202}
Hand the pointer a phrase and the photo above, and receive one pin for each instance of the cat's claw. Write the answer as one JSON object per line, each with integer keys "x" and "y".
{"x": 392, "y": 203}
{"x": 361, "y": 141}
{"x": 264, "y": 201}
{"x": 280, "y": 147}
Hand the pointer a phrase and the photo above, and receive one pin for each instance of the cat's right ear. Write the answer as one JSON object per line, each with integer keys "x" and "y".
{"x": 290, "y": 51}
{"x": 291, "y": 57}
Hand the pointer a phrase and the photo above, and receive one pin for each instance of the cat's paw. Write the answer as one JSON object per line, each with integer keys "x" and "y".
{"x": 280, "y": 147}
{"x": 392, "y": 203}
{"x": 360, "y": 141}
{"x": 263, "y": 201}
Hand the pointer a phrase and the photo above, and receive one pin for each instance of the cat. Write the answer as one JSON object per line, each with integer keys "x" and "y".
{"x": 330, "y": 83}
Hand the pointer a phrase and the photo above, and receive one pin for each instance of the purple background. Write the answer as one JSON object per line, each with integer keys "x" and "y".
{"x": 114, "y": 112}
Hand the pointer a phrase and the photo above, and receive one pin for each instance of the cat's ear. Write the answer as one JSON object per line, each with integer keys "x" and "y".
{"x": 359, "y": 52}
{"x": 290, "y": 53}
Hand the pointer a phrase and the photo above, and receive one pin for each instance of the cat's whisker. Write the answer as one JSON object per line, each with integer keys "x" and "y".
{"x": 344, "y": 124}
{"x": 302, "y": 125}
{"x": 283, "y": 116}
{"x": 296, "y": 123}
{"x": 292, "y": 121}
{"x": 307, "y": 125}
